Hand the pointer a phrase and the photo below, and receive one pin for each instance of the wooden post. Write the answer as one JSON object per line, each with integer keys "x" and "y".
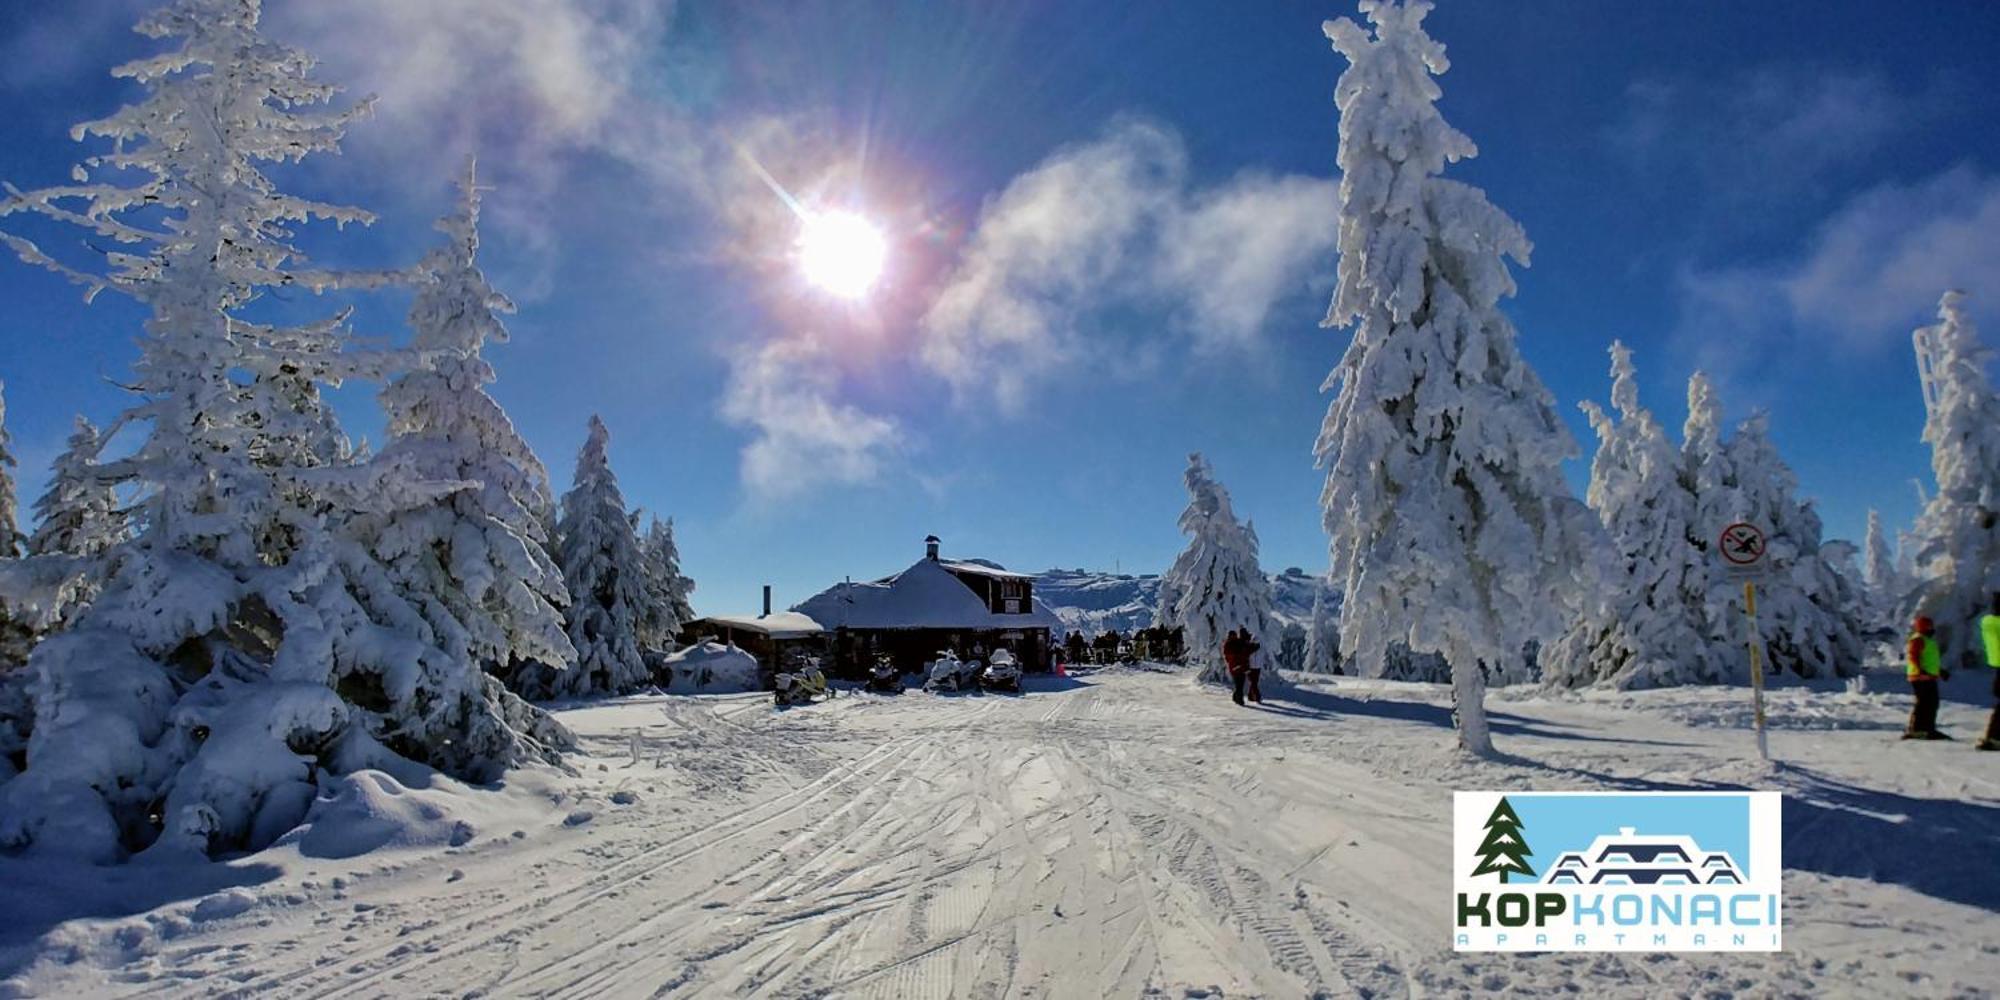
{"x": 1756, "y": 665}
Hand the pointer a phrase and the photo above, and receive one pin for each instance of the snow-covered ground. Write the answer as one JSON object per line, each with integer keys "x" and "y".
{"x": 1116, "y": 834}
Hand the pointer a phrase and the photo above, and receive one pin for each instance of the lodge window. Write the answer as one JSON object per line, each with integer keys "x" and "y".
{"x": 1013, "y": 596}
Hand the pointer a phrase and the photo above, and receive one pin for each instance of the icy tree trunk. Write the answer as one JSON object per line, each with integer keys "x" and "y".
{"x": 1468, "y": 710}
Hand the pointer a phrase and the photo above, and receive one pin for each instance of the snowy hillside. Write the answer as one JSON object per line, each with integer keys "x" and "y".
{"x": 1093, "y": 602}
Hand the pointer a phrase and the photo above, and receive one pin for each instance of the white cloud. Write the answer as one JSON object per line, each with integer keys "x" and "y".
{"x": 1045, "y": 251}
{"x": 515, "y": 74}
{"x": 1881, "y": 261}
{"x": 534, "y": 88}
{"x": 785, "y": 393}
{"x": 1767, "y": 133}
{"x": 1871, "y": 273}
{"x": 1235, "y": 251}
{"x": 1112, "y": 222}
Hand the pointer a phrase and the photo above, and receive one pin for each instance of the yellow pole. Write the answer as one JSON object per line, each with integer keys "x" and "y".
{"x": 1756, "y": 665}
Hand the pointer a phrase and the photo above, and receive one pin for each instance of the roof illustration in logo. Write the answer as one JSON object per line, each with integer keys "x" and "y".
{"x": 1631, "y": 858}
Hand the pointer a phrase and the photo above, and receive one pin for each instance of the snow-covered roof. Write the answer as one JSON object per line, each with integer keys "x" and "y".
{"x": 980, "y": 567}
{"x": 926, "y": 595}
{"x": 778, "y": 625}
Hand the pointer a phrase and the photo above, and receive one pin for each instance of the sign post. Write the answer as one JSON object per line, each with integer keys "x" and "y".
{"x": 1742, "y": 548}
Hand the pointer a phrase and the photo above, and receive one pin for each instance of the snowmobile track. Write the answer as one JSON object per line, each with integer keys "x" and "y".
{"x": 467, "y": 934}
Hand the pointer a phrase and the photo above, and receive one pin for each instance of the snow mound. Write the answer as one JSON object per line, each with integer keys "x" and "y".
{"x": 1840, "y": 713}
{"x": 370, "y": 810}
{"x": 222, "y": 905}
{"x": 713, "y": 667}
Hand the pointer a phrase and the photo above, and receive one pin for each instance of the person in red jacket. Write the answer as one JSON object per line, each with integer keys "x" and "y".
{"x": 1923, "y": 667}
{"x": 1237, "y": 659}
{"x": 1250, "y": 669}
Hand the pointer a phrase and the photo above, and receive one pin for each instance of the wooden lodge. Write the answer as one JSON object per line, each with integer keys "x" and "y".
{"x": 969, "y": 607}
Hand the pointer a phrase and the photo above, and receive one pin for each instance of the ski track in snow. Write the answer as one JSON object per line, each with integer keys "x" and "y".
{"x": 1127, "y": 836}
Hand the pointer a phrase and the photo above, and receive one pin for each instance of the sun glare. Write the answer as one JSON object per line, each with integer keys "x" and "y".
{"x": 842, "y": 253}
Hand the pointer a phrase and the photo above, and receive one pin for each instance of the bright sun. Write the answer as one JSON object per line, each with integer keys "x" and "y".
{"x": 842, "y": 253}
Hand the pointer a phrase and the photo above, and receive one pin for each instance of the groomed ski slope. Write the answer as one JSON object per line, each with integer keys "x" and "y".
{"x": 1122, "y": 834}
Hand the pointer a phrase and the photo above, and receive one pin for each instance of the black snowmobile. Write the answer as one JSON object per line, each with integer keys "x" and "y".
{"x": 884, "y": 678}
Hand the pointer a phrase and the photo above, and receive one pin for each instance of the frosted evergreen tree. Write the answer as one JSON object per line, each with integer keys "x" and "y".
{"x": 1215, "y": 582}
{"x": 668, "y": 607}
{"x": 10, "y": 526}
{"x": 1854, "y": 601}
{"x": 605, "y": 570}
{"x": 1650, "y": 632}
{"x": 473, "y": 566}
{"x": 16, "y": 637}
{"x": 1886, "y": 584}
{"x": 1805, "y": 606}
{"x": 1708, "y": 476}
{"x": 1323, "y": 631}
{"x": 1958, "y": 532}
{"x": 1452, "y": 531}
{"x": 1906, "y": 569}
{"x": 244, "y": 647}
{"x": 79, "y": 514}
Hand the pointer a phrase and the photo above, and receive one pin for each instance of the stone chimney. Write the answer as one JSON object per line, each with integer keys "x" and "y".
{"x": 767, "y": 600}
{"x": 931, "y": 547}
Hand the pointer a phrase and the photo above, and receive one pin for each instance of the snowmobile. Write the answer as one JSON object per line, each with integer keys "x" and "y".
{"x": 1003, "y": 672}
{"x": 884, "y": 677}
{"x": 949, "y": 673}
{"x": 801, "y": 684}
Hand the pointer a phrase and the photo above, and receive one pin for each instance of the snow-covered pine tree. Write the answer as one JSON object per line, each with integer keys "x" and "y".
{"x": 1958, "y": 532}
{"x": 1906, "y": 570}
{"x": 1452, "y": 530}
{"x": 16, "y": 638}
{"x": 79, "y": 514}
{"x": 1323, "y": 631}
{"x": 1804, "y": 605}
{"x": 10, "y": 525}
{"x": 1855, "y": 603}
{"x": 472, "y": 566}
{"x": 1709, "y": 479}
{"x": 1886, "y": 585}
{"x": 232, "y": 661}
{"x": 668, "y": 607}
{"x": 1650, "y": 630}
{"x": 606, "y": 575}
{"x": 1215, "y": 581}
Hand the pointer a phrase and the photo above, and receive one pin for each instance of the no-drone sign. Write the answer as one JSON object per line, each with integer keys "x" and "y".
{"x": 1742, "y": 547}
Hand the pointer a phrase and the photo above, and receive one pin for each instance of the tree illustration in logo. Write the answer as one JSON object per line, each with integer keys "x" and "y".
{"x": 1503, "y": 852}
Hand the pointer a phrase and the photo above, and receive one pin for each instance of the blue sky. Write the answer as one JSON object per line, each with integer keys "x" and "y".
{"x": 1110, "y": 243}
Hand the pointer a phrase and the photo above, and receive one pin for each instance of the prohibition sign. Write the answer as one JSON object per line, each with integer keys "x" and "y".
{"x": 1742, "y": 544}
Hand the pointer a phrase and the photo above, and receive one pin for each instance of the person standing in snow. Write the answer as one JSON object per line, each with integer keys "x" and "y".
{"x": 1922, "y": 664}
{"x": 1989, "y": 631}
{"x": 1250, "y": 668}
{"x": 1235, "y": 660}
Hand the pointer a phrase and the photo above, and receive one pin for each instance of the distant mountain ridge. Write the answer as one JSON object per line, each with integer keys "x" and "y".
{"x": 1092, "y": 602}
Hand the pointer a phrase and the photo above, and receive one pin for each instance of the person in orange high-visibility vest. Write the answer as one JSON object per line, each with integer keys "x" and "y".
{"x": 1924, "y": 668}
{"x": 1989, "y": 633}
